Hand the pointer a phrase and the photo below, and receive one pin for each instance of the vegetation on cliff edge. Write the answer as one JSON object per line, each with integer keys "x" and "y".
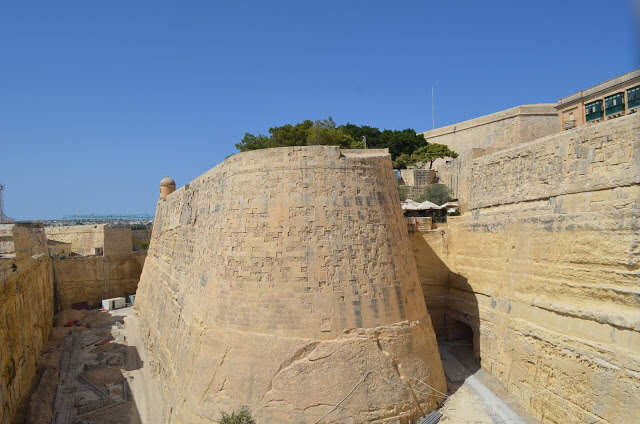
{"x": 405, "y": 146}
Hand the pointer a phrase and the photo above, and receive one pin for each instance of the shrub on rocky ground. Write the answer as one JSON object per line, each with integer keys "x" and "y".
{"x": 243, "y": 416}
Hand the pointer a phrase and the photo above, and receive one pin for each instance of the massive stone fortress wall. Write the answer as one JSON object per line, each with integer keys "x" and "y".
{"x": 498, "y": 130}
{"x": 595, "y": 158}
{"x": 277, "y": 280}
{"x": 431, "y": 251}
{"x": 561, "y": 163}
{"x": 93, "y": 278}
{"x": 545, "y": 268}
{"x": 487, "y": 134}
{"x": 26, "y": 313}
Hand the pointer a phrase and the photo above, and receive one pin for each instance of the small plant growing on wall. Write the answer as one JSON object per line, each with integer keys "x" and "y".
{"x": 243, "y": 416}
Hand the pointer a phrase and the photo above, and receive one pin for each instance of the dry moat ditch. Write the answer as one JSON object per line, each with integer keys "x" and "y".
{"x": 87, "y": 371}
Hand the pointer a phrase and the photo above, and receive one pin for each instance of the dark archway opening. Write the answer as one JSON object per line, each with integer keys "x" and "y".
{"x": 458, "y": 330}
{"x": 460, "y": 342}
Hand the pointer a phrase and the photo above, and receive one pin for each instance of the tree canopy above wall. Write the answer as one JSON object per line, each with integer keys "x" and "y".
{"x": 402, "y": 144}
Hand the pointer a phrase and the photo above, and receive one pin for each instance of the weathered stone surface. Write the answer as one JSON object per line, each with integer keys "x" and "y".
{"x": 591, "y": 158}
{"x": 26, "y": 313}
{"x": 499, "y": 130}
{"x": 277, "y": 280}
{"x": 545, "y": 269}
{"x": 84, "y": 239}
{"x": 485, "y": 135}
{"x": 93, "y": 278}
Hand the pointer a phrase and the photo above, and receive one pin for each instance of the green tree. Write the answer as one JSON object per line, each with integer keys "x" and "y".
{"x": 403, "y": 192}
{"x": 435, "y": 193}
{"x": 253, "y": 142}
{"x": 305, "y": 133}
{"x": 431, "y": 152}
{"x": 291, "y": 135}
{"x": 401, "y": 143}
{"x": 241, "y": 417}
{"x": 325, "y": 133}
{"x": 397, "y": 141}
{"x": 402, "y": 161}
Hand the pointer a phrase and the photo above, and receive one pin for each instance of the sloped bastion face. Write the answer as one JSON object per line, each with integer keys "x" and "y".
{"x": 282, "y": 278}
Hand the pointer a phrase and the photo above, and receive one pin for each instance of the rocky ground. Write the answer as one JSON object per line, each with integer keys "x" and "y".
{"x": 92, "y": 372}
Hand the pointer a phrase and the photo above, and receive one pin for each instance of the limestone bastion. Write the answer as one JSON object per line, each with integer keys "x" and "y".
{"x": 279, "y": 280}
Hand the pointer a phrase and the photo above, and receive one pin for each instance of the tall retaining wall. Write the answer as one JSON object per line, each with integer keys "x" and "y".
{"x": 281, "y": 279}
{"x": 26, "y": 314}
{"x": 84, "y": 239}
{"x": 485, "y": 135}
{"x": 545, "y": 269}
{"x": 93, "y": 278}
{"x": 500, "y": 130}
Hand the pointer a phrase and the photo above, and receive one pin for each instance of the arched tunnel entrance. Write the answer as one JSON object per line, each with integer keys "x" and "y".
{"x": 458, "y": 330}
{"x": 462, "y": 343}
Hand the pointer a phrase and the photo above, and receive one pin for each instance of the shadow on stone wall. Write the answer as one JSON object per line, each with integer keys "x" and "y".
{"x": 452, "y": 306}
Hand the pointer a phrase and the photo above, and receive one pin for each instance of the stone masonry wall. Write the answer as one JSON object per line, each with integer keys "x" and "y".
{"x": 545, "y": 269}
{"x": 117, "y": 241}
{"x": 83, "y": 238}
{"x": 485, "y": 135}
{"x": 278, "y": 280}
{"x": 26, "y": 314}
{"x": 430, "y": 248}
{"x": 597, "y": 157}
{"x": 93, "y": 278}
{"x": 498, "y": 130}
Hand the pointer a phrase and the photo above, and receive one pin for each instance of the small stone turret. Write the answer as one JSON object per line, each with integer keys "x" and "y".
{"x": 167, "y": 186}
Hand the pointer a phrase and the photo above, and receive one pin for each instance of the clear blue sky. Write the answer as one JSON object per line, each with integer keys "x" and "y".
{"x": 100, "y": 99}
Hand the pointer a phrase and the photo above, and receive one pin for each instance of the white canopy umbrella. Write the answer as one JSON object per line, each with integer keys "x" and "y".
{"x": 410, "y": 205}
{"x": 428, "y": 205}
